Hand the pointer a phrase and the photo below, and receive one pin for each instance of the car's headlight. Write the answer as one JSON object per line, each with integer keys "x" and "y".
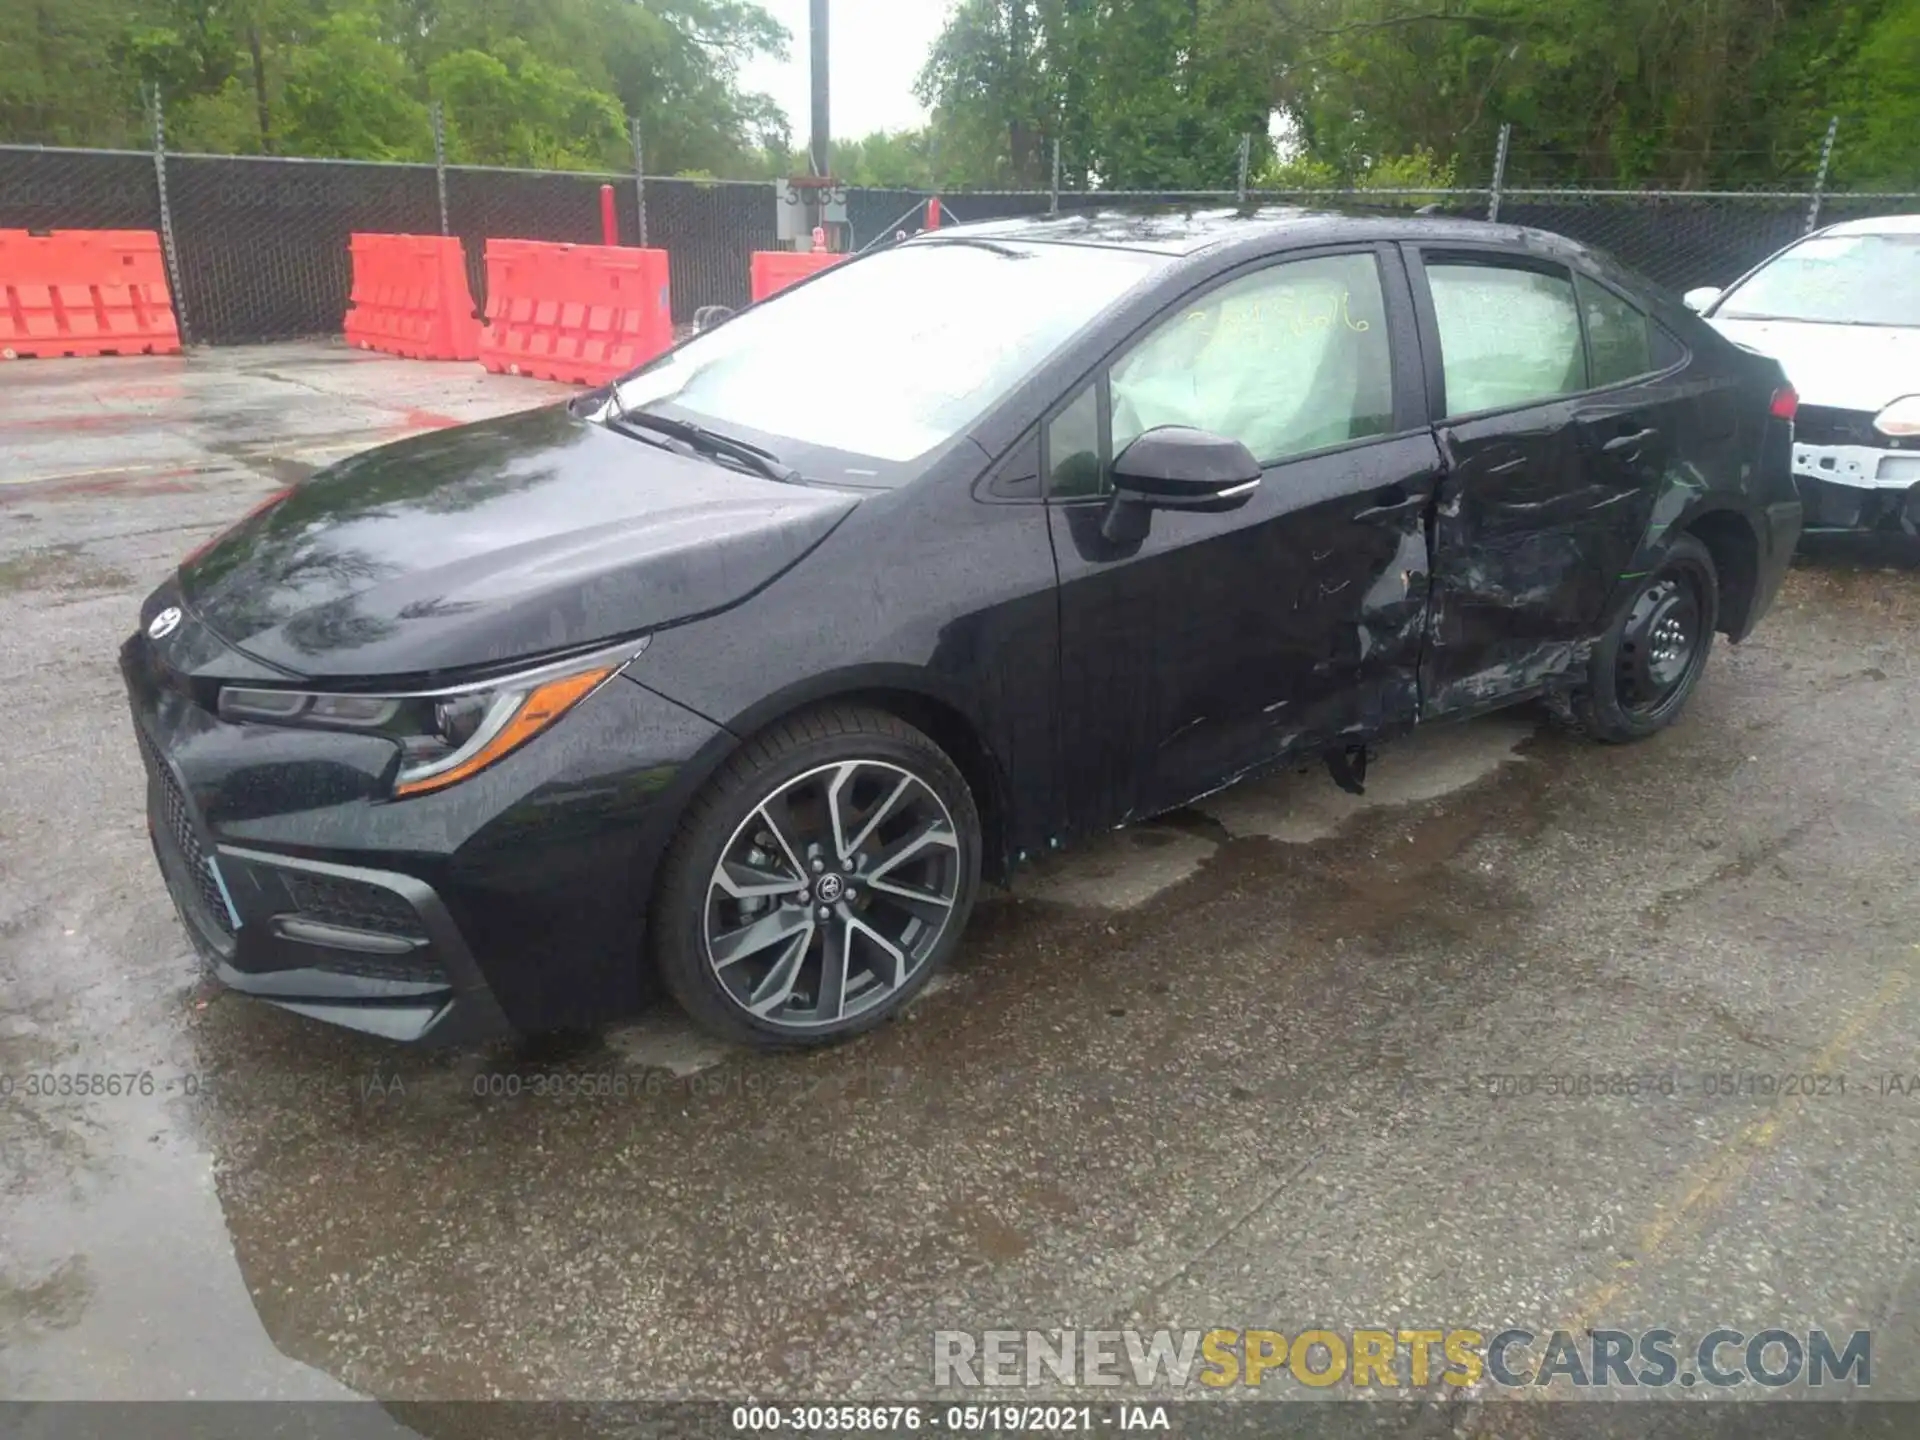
{"x": 448, "y": 733}
{"x": 1901, "y": 419}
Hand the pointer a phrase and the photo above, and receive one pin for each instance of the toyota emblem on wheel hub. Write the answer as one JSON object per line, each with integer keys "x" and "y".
{"x": 829, "y": 888}
{"x": 164, "y": 624}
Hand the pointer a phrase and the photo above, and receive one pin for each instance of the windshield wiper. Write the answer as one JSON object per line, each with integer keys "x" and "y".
{"x": 704, "y": 441}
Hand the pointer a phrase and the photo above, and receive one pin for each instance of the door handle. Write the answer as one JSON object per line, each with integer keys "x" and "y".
{"x": 1390, "y": 500}
{"x": 1628, "y": 444}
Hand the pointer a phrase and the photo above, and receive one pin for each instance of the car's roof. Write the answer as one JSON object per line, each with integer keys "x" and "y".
{"x": 1880, "y": 225}
{"x": 1176, "y": 231}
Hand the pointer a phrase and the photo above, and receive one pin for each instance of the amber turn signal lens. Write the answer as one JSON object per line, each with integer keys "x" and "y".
{"x": 539, "y": 710}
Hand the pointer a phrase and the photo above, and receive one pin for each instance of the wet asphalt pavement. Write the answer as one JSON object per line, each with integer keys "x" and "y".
{"x": 1239, "y": 1067}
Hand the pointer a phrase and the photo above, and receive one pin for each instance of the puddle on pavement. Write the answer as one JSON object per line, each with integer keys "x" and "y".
{"x": 114, "y": 1233}
{"x": 1298, "y": 809}
{"x": 1116, "y": 871}
{"x": 611, "y": 1215}
{"x": 1127, "y": 868}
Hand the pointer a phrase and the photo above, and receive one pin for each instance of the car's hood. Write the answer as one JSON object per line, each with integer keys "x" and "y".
{"x": 487, "y": 543}
{"x": 1849, "y": 367}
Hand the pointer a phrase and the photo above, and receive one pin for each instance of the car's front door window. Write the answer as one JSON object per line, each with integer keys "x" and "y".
{"x": 1508, "y": 336}
{"x": 1074, "y": 465}
{"x": 1290, "y": 359}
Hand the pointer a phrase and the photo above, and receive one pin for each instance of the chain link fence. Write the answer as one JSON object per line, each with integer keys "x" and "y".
{"x": 1678, "y": 239}
{"x": 710, "y": 229}
{"x": 260, "y": 250}
{"x": 258, "y": 246}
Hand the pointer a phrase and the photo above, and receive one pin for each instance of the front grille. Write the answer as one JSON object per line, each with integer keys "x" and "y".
{"x": 174, "y": 824}
{"x": 1828, "y": 425}
{"x": 353, "y": 904}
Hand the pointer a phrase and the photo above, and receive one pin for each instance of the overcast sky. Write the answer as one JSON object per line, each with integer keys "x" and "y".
{"x": 878, "y": 47}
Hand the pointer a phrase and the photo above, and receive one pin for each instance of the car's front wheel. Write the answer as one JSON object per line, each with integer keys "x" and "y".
{"x": 819, "y": 880}
{"x": 1646, "y": 667}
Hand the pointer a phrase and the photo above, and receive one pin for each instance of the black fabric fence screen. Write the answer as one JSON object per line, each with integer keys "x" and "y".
{"x": 261, "y": 244}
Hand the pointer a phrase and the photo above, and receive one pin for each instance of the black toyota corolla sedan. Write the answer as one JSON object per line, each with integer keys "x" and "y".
{"x": 747, "y": 671}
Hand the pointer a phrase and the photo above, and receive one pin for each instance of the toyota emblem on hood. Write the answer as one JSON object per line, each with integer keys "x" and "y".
{"x": 165, "y": 623}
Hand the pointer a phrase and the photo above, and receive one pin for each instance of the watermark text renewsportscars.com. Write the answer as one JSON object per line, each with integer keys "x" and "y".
{"x": 1511, "y": 1358}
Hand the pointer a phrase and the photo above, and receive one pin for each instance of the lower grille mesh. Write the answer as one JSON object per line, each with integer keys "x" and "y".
{"x": 351, "y": 903}
{"x": 175, "y": 825}
{"x": 417, "y": 968}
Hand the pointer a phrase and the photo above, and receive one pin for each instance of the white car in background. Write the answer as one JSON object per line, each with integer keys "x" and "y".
{"x": 1840, "y": 310}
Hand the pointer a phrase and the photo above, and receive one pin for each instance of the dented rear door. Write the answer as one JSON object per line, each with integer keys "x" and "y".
{"x": 1548, "y": 483}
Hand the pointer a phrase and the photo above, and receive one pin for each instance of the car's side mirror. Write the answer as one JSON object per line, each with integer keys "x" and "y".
{"x": 1702, "y": 299}
{"x": 1176, "y": 467}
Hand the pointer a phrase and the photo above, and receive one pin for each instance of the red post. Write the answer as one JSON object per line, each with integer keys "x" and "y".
{"x": 933, "y": 213}
{"x": 609, "y": 222}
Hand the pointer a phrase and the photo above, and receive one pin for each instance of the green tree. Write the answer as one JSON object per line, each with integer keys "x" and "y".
{"x": 549, "y": 82}
{"x": 1140, "y": 94}
{"x": 510, "y": 107}
{"x": 1636, "y": 92}
{"x": 893, "y": 160}
{"x": 348, "y": 92}
{"x": 1676, "y": 93}
{"x": 66, "y": 76}
{"x": 1137, "y": 93}
{"x": 1881, "y": 94}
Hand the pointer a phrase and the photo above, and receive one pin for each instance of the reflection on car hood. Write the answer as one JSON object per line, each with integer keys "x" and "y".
{"x": 1850, "y": 367}
{"x": 490, "y": 542}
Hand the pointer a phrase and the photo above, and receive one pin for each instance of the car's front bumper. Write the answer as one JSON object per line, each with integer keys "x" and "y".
{"x": 514, "y": 900}
{"x": 371, "y": 950}
{"x": 1858, "y": 487}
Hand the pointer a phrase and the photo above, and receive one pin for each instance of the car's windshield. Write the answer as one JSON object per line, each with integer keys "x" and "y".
{"x": 893, "y": 354}
{"x": 1835, "y": 279}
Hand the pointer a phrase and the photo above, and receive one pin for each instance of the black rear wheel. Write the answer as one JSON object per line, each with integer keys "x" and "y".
{"x": 819, "y": 881}
{"x": 1650, "y": 661}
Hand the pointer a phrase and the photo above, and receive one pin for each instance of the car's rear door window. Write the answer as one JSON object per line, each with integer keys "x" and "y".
{"x": 1290, "y": 359}
{"x": 1509, "y": 335}
{"x": 1619, "y": 335}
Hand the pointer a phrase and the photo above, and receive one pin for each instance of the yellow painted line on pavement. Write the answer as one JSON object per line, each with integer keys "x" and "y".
{"x": 1708, "y": 1184}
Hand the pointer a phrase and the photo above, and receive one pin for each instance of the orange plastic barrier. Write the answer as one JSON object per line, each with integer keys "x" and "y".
{"x": 84, "y": 292}
{"x": 580, "y": 313}
{"x": 410, "y": 297}
{"x": 775, "y": 270}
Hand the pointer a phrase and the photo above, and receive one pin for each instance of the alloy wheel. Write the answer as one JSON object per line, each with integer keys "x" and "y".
{"x": 831, "y": 895}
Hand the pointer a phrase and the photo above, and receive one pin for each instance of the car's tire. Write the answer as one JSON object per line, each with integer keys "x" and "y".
{"x": 1652, "y": 656}
{"x": 871, "y": 873}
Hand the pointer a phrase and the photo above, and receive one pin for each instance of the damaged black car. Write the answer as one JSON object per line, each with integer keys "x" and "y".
{"x": 747, "y": 672}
